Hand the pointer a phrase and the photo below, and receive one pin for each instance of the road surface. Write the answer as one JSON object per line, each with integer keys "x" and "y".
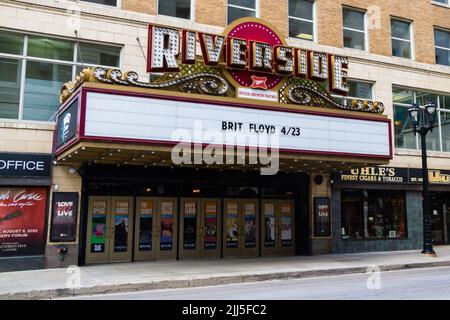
{"x": 430, "y": 283}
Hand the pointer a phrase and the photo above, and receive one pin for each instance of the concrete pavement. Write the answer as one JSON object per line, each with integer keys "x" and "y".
{"x": 138, "y": 276}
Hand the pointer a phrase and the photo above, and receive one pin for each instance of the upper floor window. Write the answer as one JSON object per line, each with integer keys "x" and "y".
{"x": 442, "y": 46}
{"x": 447, "y": 2}
{"x": 104, "y": 2}
{"x": 354, "y": 26}
{"x": 241, "y": 8}
{"x": 401, "y": 38}
{"x": 33, "y": 69}
{"x": 301, "y": 19}
{"x": 175, "y": 8}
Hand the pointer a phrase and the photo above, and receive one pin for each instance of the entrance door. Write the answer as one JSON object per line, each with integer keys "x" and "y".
{"x": 166, "y": 228}
{"x": 110, "y": 229}
{"x": 232, "y": 235}
{"x": 268, "y": 227}
{"x": 146, "y": 229}
{"x": 286, "y": 231}
{"x": 250, "y": 221}
{"x": 277, "y": 227}
{"x": 437, "y": 217}
{"x": 199, "y": 222}
{"x": 210, "y": 228}
{"x": 190, "y": 227}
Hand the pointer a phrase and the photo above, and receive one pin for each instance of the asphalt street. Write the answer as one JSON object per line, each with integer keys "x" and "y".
{"x": 430, "y": 283}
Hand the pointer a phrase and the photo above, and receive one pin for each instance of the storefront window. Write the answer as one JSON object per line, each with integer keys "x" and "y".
{"x": 358, "y": 90}
{"x": 373, "y": 214}
{"x": 10, "y": 75}
{"x": 48, "y": 62}
{"x": 404, "y": 134}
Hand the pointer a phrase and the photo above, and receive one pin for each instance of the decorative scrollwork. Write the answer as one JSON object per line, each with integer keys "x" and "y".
{"x": 203, "y": 82}
{"x": 309, "y": 93}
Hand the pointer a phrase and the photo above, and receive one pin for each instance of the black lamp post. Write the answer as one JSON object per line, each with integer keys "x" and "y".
{"x": 422, "y": 121}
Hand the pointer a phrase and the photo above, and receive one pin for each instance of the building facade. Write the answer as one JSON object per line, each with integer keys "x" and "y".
{"x": 398, "y": 54}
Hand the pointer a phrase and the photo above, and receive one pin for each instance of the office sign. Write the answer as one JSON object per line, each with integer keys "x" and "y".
{"x": 25, "y": 165}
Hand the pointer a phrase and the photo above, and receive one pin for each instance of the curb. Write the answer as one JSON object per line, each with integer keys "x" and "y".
{"x": 203, "y": 282}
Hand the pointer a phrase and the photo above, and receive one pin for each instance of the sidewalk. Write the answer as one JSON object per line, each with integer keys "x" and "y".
{"x": 50, "y": 283}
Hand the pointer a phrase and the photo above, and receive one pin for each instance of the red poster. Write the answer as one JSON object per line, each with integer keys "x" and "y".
{"x": 22, "y": 221}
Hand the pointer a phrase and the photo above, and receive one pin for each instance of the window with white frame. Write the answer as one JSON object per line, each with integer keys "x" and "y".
{"x": 104, "y": 2}
{"x": 439, "y": 138}
{"x": 33, "y": 68}
{"x": 175, "y": 8}
{"x": 442, "y": 46}
{"x": 447, "y": 2}
{"x": 301, "y": 19}
{"x": 401, "y": 36}
{"x": 354, "y": 27}
{"x": 241, "y": 8}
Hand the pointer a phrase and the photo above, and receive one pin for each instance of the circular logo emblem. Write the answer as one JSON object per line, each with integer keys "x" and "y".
{"x": 252, "y": 30}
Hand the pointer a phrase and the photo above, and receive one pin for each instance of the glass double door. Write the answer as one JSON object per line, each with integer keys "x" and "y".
{"x": 109, "y": 232}
{"x": 278, "y": 227}
{"x": 200, "y": 227}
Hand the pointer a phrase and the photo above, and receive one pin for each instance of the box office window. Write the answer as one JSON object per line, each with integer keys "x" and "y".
{"x": 241, "y": 8}
{"x": 373, "y": 214}
{"x": 33, "y": 69}
{"x": 175, "y": 8}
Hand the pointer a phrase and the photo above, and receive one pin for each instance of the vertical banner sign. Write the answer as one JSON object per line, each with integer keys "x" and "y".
{"x": 250, "y": 225}
{"x": 145, "y": 225}
{"x": 190, "y": 225}
{"x": 322, "y": 217}
{"x": 232, "y": 224}
{"x": 121, "y": 226}
{"x": 286, "y": 225}
{"x": 22, "y": 221}
{"x": 269, "y": 224}
{"x": 64, "y": 217}
{"x": 166, "y": 225}
{"x": 98, "y": 232}
{"x": 210, "y": 225}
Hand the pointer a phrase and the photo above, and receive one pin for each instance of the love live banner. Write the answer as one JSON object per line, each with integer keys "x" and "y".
{"x": 22, "y": 221}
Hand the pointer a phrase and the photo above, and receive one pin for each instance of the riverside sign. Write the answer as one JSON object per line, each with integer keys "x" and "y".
{"x": 252, "y": 52}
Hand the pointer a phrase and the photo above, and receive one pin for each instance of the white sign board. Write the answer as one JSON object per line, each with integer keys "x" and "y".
{"x": 112, "y": 116}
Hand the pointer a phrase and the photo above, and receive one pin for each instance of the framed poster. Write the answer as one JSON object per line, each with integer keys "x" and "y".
{"x": 286, "y": 225}
{"x": 98, "y": 229}
{"x": 232, "y": 224}
{"x": 22, "y": 221}
{"x": 190, "y": 225}
{"x": 250, "y": 225}
{"x": 210, "y": 225}
{"x": 145, "y": 225}
{"x": 64, "y": 217}
{"x": 269, "y": 225}
{"x": 322, "y": 217}
{"x": 167, "y": 219}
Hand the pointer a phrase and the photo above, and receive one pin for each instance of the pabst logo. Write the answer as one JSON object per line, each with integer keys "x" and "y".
{"x": 252, "y": 52}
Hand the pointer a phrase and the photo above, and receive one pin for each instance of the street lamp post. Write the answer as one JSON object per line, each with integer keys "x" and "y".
{"x": 423, "y": 121}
